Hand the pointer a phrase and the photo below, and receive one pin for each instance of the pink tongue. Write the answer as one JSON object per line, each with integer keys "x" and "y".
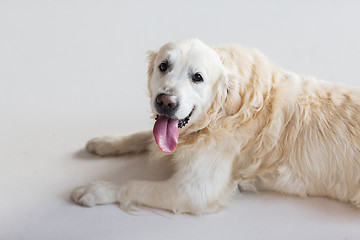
{"x": 166, "y": 133}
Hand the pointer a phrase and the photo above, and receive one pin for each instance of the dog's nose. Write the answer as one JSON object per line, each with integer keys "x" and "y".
{"x": 166, "y": 102}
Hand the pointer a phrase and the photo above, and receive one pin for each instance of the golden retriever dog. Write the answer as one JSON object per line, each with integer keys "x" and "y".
{"x": 227, "y": 117}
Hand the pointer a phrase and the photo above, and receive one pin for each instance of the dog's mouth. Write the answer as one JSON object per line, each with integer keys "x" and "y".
{"x": 181, "y": 122}
{"x": 166, "y": 131}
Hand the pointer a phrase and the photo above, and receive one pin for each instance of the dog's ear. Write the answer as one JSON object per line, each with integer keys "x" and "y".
{"x": 232, "y": 101}
{"x": 227, "y": 97}
{"x": 228, "y": 89}
{"x": 151, "y": 56}
{"x": 246, "y": 82}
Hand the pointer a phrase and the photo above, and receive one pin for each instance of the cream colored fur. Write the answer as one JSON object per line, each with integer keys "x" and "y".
{"x": 255, "y": 125}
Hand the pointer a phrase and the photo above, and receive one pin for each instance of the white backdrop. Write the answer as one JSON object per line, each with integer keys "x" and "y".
{"x": 73, "y": 70}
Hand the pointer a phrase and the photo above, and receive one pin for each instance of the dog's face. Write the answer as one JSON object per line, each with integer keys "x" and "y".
{"x": 181, "y": 79}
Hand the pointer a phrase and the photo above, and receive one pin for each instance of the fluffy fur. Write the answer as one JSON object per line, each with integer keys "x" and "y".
{"x": 254, "y": 125}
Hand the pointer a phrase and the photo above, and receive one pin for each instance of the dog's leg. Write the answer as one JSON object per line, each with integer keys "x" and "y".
{"x": 194, "y": 189}
{"x": 135, "y": 143}
{"x": 355, "y": 199}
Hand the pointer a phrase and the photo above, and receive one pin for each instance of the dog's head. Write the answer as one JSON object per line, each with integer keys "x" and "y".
{"x": 182, "y": 76}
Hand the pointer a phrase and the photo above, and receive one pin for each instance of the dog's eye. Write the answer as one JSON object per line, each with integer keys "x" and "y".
{"x": 163, "y": 66}
{"x": 197, "y": 78}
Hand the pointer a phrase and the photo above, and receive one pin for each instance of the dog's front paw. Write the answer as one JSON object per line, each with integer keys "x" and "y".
{"x": 103, "y": 146}
{"x": 96, "y": 193}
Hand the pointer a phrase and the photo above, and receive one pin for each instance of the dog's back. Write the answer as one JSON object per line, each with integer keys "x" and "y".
{"x": 305, "y": 133}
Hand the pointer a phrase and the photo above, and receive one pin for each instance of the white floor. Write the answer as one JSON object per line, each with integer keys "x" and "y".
{"x": 73, "y": 70}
